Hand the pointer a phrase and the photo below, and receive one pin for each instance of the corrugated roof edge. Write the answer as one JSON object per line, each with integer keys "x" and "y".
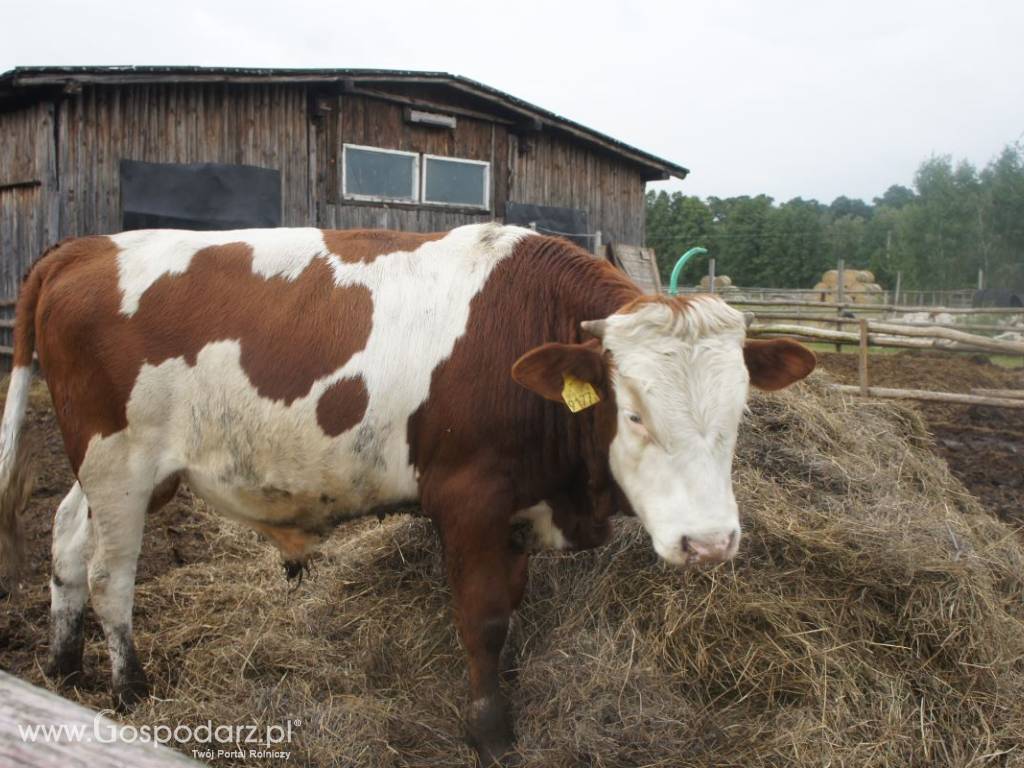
{"x": 28, "y": 77}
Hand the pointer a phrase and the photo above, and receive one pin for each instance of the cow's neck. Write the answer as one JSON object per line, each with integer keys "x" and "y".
{"x": 573, "y": 287}
{"x": 540, "y": 293}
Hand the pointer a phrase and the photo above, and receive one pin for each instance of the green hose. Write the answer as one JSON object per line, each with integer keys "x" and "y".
{"x": 673, "y": 283}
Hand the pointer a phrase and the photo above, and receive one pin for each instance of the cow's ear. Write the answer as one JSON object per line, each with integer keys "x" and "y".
{"x": 776, "y": 363}
{"x": 543, "y": 369}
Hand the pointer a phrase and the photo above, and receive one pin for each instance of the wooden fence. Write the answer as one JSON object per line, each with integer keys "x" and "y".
{"x": 956, "y": 298}
{"x": 777, "y": 318}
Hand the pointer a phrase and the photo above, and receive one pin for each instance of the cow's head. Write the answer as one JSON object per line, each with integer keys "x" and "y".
{"x": 677, "y": 372}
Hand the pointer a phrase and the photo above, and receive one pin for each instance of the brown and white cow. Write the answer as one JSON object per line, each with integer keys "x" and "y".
{"x": 297, "y": 378}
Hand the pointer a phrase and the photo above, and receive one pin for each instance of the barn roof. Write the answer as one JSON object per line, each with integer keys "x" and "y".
{"x": 29, "y": 84}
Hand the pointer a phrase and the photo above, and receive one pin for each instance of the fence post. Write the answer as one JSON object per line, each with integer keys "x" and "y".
{"x": 711, "y": 275}
{"x": 862, "y": 361}
{"x": 841, "y": 290}
{"x": 840, "y": 294}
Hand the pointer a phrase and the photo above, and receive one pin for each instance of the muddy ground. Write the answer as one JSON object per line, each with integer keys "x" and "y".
{"x": 984, "y": 446}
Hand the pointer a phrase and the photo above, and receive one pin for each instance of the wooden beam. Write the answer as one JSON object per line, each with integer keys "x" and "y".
{"x": 893, "y": 339}
{"x": 840, "y": 321}
{"x": 21, "y": 184}
{"x": 24, "y": 705}
{"x": 928, "y": 395}
{"x": 1016, "y": 394}
{"x": 1009, "y": 347}
{"x": 876, "y": 307}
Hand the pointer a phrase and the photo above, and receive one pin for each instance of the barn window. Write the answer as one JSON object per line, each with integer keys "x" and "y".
{"x": 454, "y": 181}
{"x": 369, "y": 173}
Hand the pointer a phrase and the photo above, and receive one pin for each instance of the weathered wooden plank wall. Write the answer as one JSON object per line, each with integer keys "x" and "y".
{"x": 357, "y": 119}
{"x": 536, "y": 168}
{"x": 28, "y": 177}
{"x": 263, "y": 125}
{"x": 550, "y": 170}
{"x": 83, "y": 137}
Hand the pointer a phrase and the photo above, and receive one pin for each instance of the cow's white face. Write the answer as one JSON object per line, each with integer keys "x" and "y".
{"x": 680, "y": 372}
{"x": 680, "y": 385}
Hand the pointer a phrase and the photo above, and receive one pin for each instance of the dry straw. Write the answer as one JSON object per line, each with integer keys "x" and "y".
{"x": 874, "y": 617}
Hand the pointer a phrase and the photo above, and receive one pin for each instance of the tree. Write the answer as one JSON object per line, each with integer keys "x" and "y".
{"x": 954, "y": 222}
{"x": 795, "y": 246}
{"x": 674, "y": 225}
{"x": 1002, "y": 218}
{"x": 853, "y": 207}
{"x": 896, "y": 196}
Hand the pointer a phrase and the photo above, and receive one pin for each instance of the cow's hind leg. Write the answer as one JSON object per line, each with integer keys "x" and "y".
{"x": 69, "y": 587}
{"x": 118, "y": 505}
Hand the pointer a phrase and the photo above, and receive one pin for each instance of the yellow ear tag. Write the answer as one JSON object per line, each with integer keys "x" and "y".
{"x": 578, "y": 394}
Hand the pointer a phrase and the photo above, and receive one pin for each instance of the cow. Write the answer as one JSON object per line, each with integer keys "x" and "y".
{"x": 299, "y": 378}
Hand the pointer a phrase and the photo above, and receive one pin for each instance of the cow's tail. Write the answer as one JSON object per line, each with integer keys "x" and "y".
{"x": 16, "y": 463}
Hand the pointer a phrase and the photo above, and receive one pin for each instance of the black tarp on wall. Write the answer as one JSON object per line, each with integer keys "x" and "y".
{"x": 551, "y": 220}
{"x": 198, "y": 196}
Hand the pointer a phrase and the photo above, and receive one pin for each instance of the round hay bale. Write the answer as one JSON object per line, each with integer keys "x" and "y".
{"x": 851, "y": 278}
{"x": 873, "y": 617}
{"x": 721, "y": 281}
{"x": 864, "y": 276}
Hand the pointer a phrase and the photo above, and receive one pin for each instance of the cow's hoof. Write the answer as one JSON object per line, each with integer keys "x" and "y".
{"x": 65, "y": 669}
{"x": 489, "y": 732}
{"x": 67, "y": 643}
{"x": 131, "y": 689}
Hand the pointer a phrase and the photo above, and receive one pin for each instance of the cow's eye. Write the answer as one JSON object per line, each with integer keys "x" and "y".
{"x": 634, "y": 417}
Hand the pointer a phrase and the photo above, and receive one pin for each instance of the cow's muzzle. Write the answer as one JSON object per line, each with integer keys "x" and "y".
{"x": 713, "y": 548}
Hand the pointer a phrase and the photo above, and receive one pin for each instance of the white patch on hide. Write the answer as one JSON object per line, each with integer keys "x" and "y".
{"x": 257, "y": 459}
{"x": 546, "y": 534}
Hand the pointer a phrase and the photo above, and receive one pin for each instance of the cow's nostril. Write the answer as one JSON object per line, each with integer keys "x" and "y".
{"x": 685, "y": 544}
{"x": 732, "y": 539}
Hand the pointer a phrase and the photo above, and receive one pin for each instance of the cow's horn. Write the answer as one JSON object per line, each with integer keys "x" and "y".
{"x": 594, "y": 327}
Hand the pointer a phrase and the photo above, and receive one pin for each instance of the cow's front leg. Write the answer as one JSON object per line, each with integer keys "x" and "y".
{"x": 479, "y": 564}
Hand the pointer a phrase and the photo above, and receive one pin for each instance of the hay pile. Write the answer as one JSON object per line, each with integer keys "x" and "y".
{"x": 874, "y": 617}
{"x": 859, "y": 286}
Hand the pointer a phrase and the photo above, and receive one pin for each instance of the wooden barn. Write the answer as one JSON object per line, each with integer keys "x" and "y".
{"x": 102, "y": 149}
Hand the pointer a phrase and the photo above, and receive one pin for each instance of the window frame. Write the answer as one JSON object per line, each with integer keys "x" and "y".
{"x": 413, "y": 199}
{"x": 486, "y": 206}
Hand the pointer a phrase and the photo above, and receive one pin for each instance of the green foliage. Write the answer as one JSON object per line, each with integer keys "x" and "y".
{"x": 955, "y": 221}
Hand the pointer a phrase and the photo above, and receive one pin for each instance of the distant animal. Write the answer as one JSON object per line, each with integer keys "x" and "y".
{"x": 298, "y": 378}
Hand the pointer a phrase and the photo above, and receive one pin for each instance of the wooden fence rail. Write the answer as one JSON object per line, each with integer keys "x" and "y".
{"x": 928, "y": 395}
{"x": 876, "y": 307}
{"x": 885, "y": 335}
{"x": 903, "y": 335}
{"x": 841, "y": 321}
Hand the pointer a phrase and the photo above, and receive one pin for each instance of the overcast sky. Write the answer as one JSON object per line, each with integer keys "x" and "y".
{"x": 811, "y": 99}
